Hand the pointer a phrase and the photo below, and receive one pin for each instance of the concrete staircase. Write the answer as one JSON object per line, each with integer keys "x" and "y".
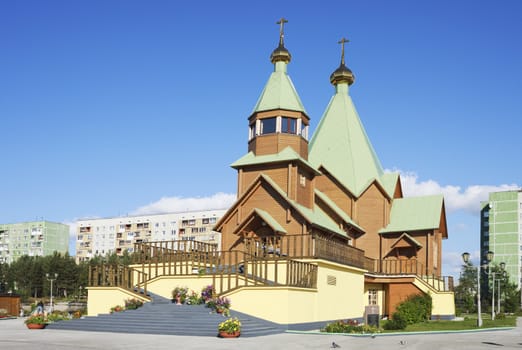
{"x": 161, "y": 316}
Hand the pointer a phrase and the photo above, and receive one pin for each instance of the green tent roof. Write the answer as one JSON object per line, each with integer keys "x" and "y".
{"x": 415, "y": 213}
{"x": 341, "y": 146}
{"x": 279, "y": 92}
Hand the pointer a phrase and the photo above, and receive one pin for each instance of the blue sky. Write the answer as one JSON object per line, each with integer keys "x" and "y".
{"x": 119, "y": 107}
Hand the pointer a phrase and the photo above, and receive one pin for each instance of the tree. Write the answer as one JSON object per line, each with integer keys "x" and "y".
{"x": 466, "y": 291}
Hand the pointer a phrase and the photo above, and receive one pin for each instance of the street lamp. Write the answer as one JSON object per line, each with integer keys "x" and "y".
{"x": 489, "y": 257}
{"x": 502, "y": 275}
{"x": 51, "y": 279}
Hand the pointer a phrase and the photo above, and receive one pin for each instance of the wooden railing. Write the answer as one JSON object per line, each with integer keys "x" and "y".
{"x": 112, "y": 275}
{"x": 272, "y": 261}
{"x": 440, "y": 283}
{"x": 396, "y": 267}
{"x": 162, "y": 250}
{"x": 306, "y": 247}
{"x": 409, "y": 267}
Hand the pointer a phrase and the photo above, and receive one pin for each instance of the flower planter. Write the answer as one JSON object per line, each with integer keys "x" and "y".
{"x": 223, "y": 334}
{"x": 36, "y": 325}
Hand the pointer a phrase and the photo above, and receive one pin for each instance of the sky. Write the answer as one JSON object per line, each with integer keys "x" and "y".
{"x": 112, "y": 108}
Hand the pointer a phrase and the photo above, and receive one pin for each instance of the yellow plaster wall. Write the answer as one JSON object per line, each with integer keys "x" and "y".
{"x": 290, "y": 305}
{"x": 165, "y": 285}
{"x": 101, "y": 299}
{"x": 443, "y": 303}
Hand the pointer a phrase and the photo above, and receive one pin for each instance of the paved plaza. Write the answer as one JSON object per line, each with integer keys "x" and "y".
{"x": 14, "y": 335}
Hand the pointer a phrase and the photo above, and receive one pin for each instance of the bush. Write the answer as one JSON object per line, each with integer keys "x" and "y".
{"x": 133, "y": 304}
{"x": 349, "y": 326}
{"x": 397, "y": 322}
{"x": 194, "y": 299}
{"x": 416, "y": 308}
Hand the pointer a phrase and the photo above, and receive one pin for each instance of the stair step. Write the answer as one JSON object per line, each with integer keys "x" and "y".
{"x": 170, "y": 319}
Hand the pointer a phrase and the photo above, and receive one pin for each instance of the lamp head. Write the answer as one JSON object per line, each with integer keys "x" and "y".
{"x": 489, "y": 256}
{"x": 502, "y": 266}
{"x": 465, "y": 257}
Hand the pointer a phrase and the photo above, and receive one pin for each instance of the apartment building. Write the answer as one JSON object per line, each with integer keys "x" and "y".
{"x": 118, "y": 234}
{"x": 501, "y": 231}
{"x": 35, "y": 238}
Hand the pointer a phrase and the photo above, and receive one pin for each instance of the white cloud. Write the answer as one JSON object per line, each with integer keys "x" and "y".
{"x": 456, "y": 198}
{"x": 219, "y": 200}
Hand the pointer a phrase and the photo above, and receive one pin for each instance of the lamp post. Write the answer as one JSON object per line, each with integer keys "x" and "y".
{"x": 51, "y": 279}
{"x": 502, "y": 274}
{"x": 489, "y": 257}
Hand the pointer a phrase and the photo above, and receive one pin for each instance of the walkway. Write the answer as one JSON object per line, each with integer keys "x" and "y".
{"x": 14, "y": 335}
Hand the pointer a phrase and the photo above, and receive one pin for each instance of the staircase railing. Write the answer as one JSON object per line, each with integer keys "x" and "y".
{"x": 113, "y": 275}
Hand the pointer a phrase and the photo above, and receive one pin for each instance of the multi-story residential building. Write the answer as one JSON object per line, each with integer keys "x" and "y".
{"x": 35, "y": 238}
{"x": 118, "y": 234}
{"x": 501, "y": 231}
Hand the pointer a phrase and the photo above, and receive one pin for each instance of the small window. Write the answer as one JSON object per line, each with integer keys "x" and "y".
{"x": 302, "y": 180}
{"x": 268, "y": 126}
{"x": 288, "y": 125}
{"x": 372, "y": 296}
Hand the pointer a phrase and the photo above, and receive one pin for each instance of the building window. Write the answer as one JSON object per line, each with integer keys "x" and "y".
{"x": 372, "y": 296}
{"x": 268, "y": 126}
{"x": 302, "y": 180}
{"x": 212, "y": 220}
{"x": 288, "y": 125}
{"x": 202, "y": 229}
{"x": 204, "y": 221}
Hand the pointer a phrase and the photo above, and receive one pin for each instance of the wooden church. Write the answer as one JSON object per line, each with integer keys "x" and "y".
{"x": 318, "y": 232}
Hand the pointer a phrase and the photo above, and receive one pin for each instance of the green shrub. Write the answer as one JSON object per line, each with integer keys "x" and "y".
{"x": 397, "y": 322}
{"x": 349, "y": 326}
{"x": 416, "y": 308}
{"x": 133, "y": 304}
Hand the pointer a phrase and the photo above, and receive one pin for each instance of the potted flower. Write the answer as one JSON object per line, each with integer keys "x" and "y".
{"x": 117, "y": 308}
{"x": 36, "y": 322}
{"x": 230, "y": 328}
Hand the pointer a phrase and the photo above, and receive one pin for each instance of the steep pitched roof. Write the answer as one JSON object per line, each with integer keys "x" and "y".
{"x": 337, "y": 210}
{"x": 270, "y": 220}
{"x": 407, "y": 238}
{"x": 415, "y": 213}
{"x": 279, "y": 92}
{"x": 341, "y": 146}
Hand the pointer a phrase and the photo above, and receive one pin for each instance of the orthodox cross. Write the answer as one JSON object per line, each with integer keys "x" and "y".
{"x": 281, "y": 23}
{"x": 342, "y": 42}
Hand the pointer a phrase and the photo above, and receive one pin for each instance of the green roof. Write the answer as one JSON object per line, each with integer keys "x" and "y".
{"x": 287, "y": 154}
{"x": 315, "y": 216}
{"x": 269, "y": 220}
{"x": 341, "y": 146}
{"x": 415, "y": 213}
{"x": 279, "y": 92}
{"x": 389, "y": 181}
{"x": 337, "y": 210}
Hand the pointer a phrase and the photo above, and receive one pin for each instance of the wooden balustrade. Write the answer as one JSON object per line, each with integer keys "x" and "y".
{"x": 306, "y": 247}
{"x": 111, "y": 275}
{"x": 269, "y": 261}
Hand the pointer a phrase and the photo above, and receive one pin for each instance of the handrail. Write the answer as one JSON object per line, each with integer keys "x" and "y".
{"x": 113, "y": 275}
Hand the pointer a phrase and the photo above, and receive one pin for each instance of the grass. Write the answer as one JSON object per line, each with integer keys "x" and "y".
{"x": 469, "y": 323}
